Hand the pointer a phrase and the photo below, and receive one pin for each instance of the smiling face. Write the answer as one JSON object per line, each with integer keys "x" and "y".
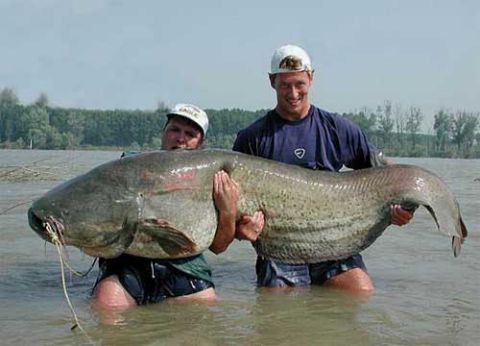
{"x": 181, "y": 133}
{"x": 292, "y": 94}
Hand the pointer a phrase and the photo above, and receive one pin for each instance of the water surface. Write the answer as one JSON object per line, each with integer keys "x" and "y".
{"x": 423, "y": 295}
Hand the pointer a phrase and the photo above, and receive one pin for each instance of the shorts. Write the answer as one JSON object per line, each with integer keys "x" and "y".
{"x": 150, "y": 281}
{"x": 277, "y": 274}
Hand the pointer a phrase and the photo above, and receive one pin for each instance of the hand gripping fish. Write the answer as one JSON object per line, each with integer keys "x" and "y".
{"x": 159, "y": 205}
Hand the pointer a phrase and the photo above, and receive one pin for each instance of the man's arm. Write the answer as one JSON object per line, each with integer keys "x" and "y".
{"x": 398, "y": 215}
{"x": 250, "y": 227}
{"x": 225, "y": 196}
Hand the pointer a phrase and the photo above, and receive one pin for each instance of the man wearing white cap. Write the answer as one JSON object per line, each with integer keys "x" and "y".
{"x": 127, "y": 281}
{"x": 298, "y": 133}
{"x": 185, "y": 123}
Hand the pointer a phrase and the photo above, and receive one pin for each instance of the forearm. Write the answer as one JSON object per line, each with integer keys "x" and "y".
{"x": 378, "y": 159}
{"x": 225, "y": 232}
{"x": 250, "y": 227}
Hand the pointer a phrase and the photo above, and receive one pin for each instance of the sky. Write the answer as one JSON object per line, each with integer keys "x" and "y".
{"x": 119, "y": 54}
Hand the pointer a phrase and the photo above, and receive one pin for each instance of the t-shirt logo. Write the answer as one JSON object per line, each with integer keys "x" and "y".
{"x": 299, "y": 152}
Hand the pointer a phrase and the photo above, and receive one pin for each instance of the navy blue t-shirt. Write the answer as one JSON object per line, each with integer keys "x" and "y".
{"x": 321, "y": 140}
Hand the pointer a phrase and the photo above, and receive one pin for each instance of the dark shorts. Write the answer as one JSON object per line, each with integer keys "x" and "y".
{"x": 150, "y": 281}
{"x": 277, "y": 274}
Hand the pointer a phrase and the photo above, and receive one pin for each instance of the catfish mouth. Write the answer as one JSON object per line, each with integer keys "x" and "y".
{"x": 53, "y": 230}
{"x": 49, "y": 228}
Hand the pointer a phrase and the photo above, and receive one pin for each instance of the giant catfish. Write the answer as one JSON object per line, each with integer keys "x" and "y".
{"x": 159, "y": 205}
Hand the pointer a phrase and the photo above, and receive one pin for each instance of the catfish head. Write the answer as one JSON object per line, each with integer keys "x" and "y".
{"x": 95, "y": 212}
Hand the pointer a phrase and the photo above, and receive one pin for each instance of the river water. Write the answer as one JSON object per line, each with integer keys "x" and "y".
{"x": 423, "y": 295}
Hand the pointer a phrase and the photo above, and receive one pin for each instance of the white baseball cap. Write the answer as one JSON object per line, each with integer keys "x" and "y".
{"x": 290, "y": 58}
{"x": 191, "y": 112}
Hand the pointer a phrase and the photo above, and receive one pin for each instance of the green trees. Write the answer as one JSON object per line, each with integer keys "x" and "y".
{"x": 464, "y": 126}
{"x": 365, "y": 119}
{"x": 455, "y": 134}
{"x": 8, "y": 104}
{"x": 8, "y": 97}
{"x": 225, "y": 123}
{"x": 385, "y": 122}
{"x": 442, "y": 127}
{"x": 34, "y": 126}
{"x": 397, "y": 131}
{"x": 391, "y": 128}
{"x": 412, "y": 127}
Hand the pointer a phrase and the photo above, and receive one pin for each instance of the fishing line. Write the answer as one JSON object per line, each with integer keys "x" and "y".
{"x": 57, "y": 244}
{"x": 15, "y": 206}
{"x": 76, "y": 272}
{"x": 57, "y": 238}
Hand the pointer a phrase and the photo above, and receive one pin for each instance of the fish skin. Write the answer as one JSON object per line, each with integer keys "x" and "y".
{"x": 159, "y": 205}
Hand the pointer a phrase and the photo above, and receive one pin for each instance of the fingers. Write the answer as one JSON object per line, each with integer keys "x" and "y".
{"x": 399, "y": 216}
{"x": 250, "y": 227}
{"x": 258, "y": 220}
{"x": 223, "y": 182}
{"x": 220, "y": 183}
{"x": 225, "y": 193}
{"x": 216, "y": 182}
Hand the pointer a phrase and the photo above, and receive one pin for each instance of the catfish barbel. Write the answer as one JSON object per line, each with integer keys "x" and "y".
{"x": 159, "y": 205}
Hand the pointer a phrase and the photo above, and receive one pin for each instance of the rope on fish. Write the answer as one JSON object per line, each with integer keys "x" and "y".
{"x": 57, "y": 238}
{"x": 58, "y": 245}
{"x": 76, "y": 272}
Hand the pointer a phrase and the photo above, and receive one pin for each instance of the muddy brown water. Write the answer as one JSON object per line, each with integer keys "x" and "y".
{"x": 423, "y": 295}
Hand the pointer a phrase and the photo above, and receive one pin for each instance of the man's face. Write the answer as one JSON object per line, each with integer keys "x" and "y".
{"x": 181, "y": 133}
{"x": 292, "y": 94}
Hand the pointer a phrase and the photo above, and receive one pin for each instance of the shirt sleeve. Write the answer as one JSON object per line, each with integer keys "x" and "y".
{"x": 243, "y": 143}
{"x": 355, "y": 148}
{"x": 377, "y": 158}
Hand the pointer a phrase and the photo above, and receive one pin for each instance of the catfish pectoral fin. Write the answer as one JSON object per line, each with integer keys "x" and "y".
{"x": 457, "y": 240}
{"x": 456, "y": 245}
{"x": 170, "y": 239}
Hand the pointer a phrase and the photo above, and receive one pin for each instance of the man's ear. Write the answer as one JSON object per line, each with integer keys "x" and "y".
{"x": 201, "y": 143}
{"x": 272, "y": 80}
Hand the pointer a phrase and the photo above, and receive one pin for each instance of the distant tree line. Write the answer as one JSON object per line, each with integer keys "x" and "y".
{"x": 395, "y": 130}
